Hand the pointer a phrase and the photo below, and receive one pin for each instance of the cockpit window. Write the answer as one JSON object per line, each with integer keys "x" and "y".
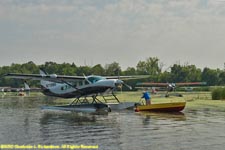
{"x": 94, "y": 79}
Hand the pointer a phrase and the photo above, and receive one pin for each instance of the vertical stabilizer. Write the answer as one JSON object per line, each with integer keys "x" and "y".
{"x": 26, "y": 87}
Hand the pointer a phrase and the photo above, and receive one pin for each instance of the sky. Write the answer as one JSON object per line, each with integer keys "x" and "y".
{"x": 90, "y": 32}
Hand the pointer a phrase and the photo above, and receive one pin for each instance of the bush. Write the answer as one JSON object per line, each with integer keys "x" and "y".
{"x": 202, "y": 89}
{"x": 223, "y": 94}
{"x": 218, "y": 94}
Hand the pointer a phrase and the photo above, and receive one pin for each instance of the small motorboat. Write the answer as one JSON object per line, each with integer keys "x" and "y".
{"x": 161, "y": 107}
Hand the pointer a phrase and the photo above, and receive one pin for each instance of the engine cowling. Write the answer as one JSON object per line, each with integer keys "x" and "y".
{"x": 53, "y": 75}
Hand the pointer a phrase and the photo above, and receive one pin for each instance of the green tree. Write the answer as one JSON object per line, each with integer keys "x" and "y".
{"x": 165, "y": 77}
{"x": 98, "y": 70}
{"x": 222, "y": 78}
{"x": 177, "y": 73}
{"x": 51, "y": 67}
{"x": 84, "y": 70}
{"x": 141, "y": 68}
{"x": 210, "y": 76}
{"x": 67, "y": 69}
{"x": 186, "y": 73}
{"x": 113, "y": 69}
{"x": 151, "y": 66}
{"x": 193, "y": 74}
{"x": 29, "y": 67}
{"x": 129, "y": 71}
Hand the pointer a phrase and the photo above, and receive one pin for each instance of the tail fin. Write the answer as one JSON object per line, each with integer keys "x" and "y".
{"x": 43, "y": 82}
{"x": 26, "y": 86}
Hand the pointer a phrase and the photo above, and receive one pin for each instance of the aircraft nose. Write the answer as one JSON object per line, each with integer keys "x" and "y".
{"x": 120, "y": 83}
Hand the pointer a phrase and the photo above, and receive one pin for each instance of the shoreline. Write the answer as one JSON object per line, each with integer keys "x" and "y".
{"x": 194, "y": 100}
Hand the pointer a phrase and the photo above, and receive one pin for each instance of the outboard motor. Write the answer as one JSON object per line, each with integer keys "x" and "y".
{"x": 136, "y": 104}
{"x": 171, "y": 87}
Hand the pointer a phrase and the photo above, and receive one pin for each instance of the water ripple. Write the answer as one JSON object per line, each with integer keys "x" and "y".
{"x": 24, "y": 123}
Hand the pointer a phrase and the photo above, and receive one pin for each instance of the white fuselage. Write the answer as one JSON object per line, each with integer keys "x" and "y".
{"x": 93, "y": 85}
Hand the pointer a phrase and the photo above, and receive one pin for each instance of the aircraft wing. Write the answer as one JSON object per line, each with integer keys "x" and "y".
{"x": 127, "y": 77}
{"x": 51, "y": 77}
{"x": 191, "y": 83}
{"x": 156, "y": 84}
{"x": 63, "y": 78}
{"x": 152, "y": 84}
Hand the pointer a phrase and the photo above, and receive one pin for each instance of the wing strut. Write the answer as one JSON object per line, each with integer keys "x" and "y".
{"x": 72, "y": 86}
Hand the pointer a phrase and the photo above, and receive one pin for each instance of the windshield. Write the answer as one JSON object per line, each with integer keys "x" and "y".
{"x": 94, "y": 79}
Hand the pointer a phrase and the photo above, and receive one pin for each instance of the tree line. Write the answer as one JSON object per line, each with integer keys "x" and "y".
{"x": 151, "y": 66}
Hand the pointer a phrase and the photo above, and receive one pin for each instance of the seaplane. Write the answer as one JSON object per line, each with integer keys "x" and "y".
{"x": 170, "y": 87}
{"x": 78, "y": 87}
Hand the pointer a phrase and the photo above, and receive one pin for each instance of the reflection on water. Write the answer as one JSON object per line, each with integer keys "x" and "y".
{"x": 177, "y": 116}
{"x": 23, "y": 122}
{"x": 148, "y": 116}
{"x": 73, "y": 118}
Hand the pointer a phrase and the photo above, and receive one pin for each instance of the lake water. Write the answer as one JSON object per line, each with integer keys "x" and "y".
{"x": 22, "y": 122}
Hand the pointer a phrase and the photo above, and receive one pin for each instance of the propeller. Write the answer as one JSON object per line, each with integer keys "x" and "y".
{"x": 171, "y": 87}
{"x": 128, "y": 86}
{"x": 120, "y": 83}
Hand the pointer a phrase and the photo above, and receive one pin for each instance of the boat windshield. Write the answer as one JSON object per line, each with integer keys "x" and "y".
{"x": 94, "y": 79}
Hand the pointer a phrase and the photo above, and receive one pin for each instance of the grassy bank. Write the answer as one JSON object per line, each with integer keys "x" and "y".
{"x": 195, "y": 100}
